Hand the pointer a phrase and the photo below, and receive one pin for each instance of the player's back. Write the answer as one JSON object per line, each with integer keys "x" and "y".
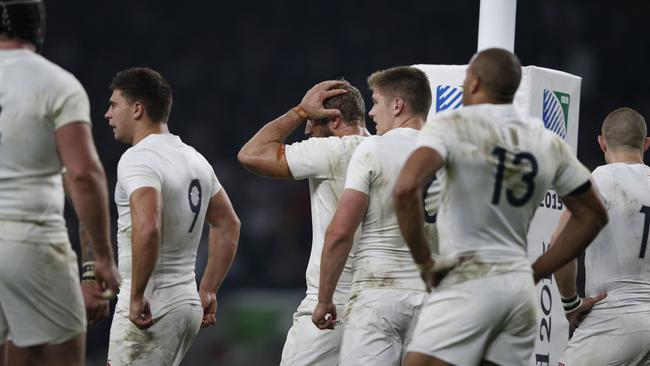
{"x": 618, "y": 262}
{"x": 186, "y": 182}
{"x": 499, "y": 165}
{"x": 36, "y": 98}
{"x": 382, "y": 258}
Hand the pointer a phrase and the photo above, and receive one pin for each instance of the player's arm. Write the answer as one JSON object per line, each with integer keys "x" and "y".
{"x": 264, "y": 153}
{"x": 587, "y": 217}
{"x": 146, "y": 226}
{"x": 339, "y": 239}
{"x": 86, "y": 184}
{"x": 223, "y": 239}
{"x": 419, "y": 168}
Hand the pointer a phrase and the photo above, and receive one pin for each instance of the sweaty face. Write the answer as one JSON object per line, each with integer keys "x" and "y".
{"x": 119, "y": 117}
{"x": 381, "y": 112}
{"x": 317, "y": 129}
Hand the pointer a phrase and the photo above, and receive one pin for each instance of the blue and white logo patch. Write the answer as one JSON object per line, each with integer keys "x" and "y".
{"x": 448, "y": 97}
{"x": 555, "y": 111}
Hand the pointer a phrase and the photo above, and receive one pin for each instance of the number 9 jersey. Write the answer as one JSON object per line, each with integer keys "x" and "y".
{"x": 187, "y": 182}
{"x": 499, "y": 166}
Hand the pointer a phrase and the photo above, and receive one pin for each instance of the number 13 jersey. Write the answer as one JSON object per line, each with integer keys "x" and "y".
{"x": 499, "y": 166}
{"x": 187, "y": 182}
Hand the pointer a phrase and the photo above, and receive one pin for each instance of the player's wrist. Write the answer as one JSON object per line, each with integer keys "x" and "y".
{"x": 571, "y": 303}
{"x": 426, "y": 266}
{"x": 88, "y": 272}
{"x": 301, "y": 112}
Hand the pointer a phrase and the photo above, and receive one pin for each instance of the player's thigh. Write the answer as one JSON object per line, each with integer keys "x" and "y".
{"x": 457, "y": 323}
{"x": 164, "y": 343}
{"x": 68, "y": 353}
{"x": 378, "y": 325}
{"x": 2, "y": 354}
{"x": 622, "y": 339}
{"x": 514, "y": 344}
{"x": 308, "y": 345}
{"x": 40, "y": 284}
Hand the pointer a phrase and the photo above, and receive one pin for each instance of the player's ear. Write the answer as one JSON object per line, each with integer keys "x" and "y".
{"x": 646, "y": 144}
{"x": 398, "y": 106}
{"x": 138, "y": 110}
{"x": 336, "y": 122}
{"x": 603, "y": 144}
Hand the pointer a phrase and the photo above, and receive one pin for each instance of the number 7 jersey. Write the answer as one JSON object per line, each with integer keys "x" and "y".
{"x": 187, "y": 182}
{"x": 498, "y": 168}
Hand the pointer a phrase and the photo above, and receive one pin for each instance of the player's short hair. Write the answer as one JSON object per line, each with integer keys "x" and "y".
{"x": 625, "y": 127}
{"x": 23, "y": 19}
{"x": 499, "y": 71}
{"x": 406, "y": 82}
{"x": 148, "y": 87}
{"x": 351, "y": 105}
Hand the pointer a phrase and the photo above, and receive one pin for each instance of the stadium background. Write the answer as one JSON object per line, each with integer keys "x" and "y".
{"x": 233, "y": 66}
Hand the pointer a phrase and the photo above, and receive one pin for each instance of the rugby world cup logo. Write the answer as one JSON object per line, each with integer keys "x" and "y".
{"x": 555, "y": 111}
{"x": 448, "y": 97}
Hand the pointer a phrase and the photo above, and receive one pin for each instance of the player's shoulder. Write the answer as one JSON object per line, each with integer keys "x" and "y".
{"x": 52, "y": 75}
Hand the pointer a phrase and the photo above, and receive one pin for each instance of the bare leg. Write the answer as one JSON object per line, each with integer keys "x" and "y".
{"x": 68, "y": 353}
{"x": 2, "y": 354}
{"x": 420, "y": 359}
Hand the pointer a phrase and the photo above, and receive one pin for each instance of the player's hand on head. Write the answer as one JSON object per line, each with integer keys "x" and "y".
{"x": 140, "y": 313}
{"x": 313, "y": 100}
{"x": 576, "y": 317}
{"x": 324, "y": 316}
{"x": 97, "y": 307}
{"x": 209, "y": 304}
{"x": 108, "y": 277}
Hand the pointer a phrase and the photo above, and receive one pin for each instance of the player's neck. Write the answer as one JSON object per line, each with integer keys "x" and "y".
{"x": 353, "y": 130}
{"x": 624, "y": 156}
{"x": 409, "y": 122}
{"x": 151, "y": 129}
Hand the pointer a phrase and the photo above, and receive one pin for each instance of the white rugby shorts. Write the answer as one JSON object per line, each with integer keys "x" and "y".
{"x": 609, "y": 340}
{"x": 378, "y": 325}
{"x": 164, "y": 343}
{"x": 488, "y": 318}
{"x": 308, "y": 345}
{"x": 40, "y": 294}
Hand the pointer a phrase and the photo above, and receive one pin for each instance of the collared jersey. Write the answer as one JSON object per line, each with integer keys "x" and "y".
{"x": 498, "y": 165}
{"x": 186, "y": 182}
{"x": 324, "y": 161}
{"x": 37, "y": 97}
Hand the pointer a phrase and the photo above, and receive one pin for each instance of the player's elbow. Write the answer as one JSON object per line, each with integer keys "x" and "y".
{"x": 246, "y": 159}
{"x": 403, "y": 192}
{"x": 335, "y": 236}
{"x": 600, "y": 218}
{"x": 86, "y": 174}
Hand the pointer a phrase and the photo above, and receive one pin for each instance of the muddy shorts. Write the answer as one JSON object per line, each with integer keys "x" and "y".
{"x": 164, "y": 343}
{"x": 40, "y": 295}
{"x": 613, "y": 340}
{"x": 488, "y": 318}
{"x": 378, "y": 324}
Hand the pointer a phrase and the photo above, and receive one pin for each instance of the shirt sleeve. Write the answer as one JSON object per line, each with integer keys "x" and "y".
{"x": 571, "y": 174}
{"x": 362, "y": 168}
{"x": 69, "y": 103}
{"x": 434, "y": 135}
{"x": 136, "y": 170}
{"x": 313, "y": 158}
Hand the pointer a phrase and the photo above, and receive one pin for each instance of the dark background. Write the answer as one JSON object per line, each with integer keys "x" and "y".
{"x": 234, "y": 66}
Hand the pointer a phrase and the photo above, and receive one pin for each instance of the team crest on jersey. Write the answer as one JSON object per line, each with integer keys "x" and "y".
{"x": 448, "y": 97}
{"x": 555, "y": 111}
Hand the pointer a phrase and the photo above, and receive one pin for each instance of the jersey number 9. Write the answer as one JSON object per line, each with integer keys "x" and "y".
{"x": 194, "y": 196}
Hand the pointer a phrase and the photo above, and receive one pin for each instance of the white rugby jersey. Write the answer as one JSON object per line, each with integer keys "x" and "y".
{"x": 187, "y": 182}
{"x": 499, "y": 166}
{"x": 37, "y": 97}
{"x": 618, "y": 260}
{"x": 382, "y": 258}
{"x": 324, "y": 162}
